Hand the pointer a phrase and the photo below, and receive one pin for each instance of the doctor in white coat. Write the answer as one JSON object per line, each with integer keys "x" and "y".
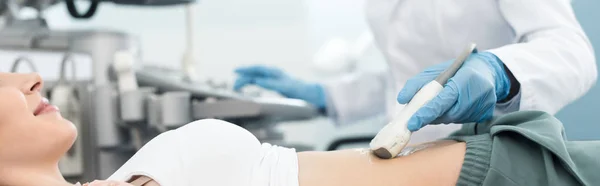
{"x": 533, "y": 55}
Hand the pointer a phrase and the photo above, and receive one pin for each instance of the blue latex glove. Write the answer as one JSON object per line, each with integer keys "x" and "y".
{"x": 470, "y": 96}
{"x": 278, "y": 81}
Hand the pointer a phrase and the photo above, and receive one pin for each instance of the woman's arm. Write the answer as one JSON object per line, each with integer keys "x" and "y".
{"x": 437, "y": 164}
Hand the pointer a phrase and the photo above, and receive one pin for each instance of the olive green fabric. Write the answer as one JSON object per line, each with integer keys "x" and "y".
{"x": 526, "y": 148}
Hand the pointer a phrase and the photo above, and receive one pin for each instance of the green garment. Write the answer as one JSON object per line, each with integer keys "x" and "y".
{"x": 526, "y": 148}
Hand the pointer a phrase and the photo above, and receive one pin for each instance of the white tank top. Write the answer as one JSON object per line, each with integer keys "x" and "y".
{"x": 211, "y": 152}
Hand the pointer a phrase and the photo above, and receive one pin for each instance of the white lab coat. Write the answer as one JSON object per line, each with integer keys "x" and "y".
{"x": 540, "y": 41}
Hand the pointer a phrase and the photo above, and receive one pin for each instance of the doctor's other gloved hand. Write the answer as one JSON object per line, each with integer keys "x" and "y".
{"x": 470, "y": 96}
{"x": 275, "y": 79}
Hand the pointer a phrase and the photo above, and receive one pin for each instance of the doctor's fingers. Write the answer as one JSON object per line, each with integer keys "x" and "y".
{"x": 271, "y": 84}
{"x": 260, "y": 71}
{"x": 242, "y": 81}
{"x": 412, "y": 86}
{"x": 434, "y": 109}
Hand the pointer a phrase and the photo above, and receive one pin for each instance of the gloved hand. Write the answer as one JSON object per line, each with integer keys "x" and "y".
{"x": 470, "y": 96}
{"x": 276, "y": 80}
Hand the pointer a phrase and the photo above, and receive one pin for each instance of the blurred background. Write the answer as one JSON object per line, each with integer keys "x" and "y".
{"x": 286, "y": 34}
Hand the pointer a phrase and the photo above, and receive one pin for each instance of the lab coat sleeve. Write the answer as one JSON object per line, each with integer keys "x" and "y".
{"x": 553, "y": 59}
{"x": 356, "y": 96}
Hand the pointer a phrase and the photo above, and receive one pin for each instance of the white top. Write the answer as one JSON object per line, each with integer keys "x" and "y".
{"x": 211, "y": 152}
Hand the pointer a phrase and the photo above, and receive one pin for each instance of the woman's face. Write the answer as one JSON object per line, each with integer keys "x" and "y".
{"x": 31, "y": 130}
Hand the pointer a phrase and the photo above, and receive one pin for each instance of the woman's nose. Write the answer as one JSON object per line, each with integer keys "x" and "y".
{"x": 32, "y": 83}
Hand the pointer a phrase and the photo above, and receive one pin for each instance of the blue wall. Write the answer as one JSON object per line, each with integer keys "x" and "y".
{"x": 582, "y": 118}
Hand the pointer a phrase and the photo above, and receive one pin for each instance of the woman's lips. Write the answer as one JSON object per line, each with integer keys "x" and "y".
{"x": 45, "y": 107}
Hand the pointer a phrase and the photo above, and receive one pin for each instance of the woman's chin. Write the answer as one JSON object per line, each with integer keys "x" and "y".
{"x": 66, "y": 129}
{"x": 73, "y": 130}
{"x": 70, "y": 135}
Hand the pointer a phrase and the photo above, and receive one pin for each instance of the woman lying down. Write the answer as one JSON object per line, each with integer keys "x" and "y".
{"x": 525, "y": 148}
